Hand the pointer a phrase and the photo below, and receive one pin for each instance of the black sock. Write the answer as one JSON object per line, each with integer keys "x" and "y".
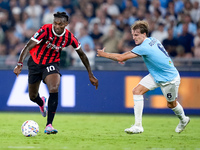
{"x": 52, "y": 106}
{"x": 38, "y": 100}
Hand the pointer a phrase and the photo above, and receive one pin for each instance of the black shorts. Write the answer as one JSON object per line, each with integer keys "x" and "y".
{"x": 39, "y": 72}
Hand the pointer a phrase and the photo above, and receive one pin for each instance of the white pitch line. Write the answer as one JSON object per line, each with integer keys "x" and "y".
{"x": 23, "y": 147}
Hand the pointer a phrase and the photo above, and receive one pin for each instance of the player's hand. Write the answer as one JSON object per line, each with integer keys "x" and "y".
{"x": 100, "y": 52}
{"x": 94, "y": 81}
{"x": 17, "y": 70}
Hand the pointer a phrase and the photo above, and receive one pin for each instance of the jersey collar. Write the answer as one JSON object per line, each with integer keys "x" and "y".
{"x": 56, "y": 33}
{"x": 145, "y": 39}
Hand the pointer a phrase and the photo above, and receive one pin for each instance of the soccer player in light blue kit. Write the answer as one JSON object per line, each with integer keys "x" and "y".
{"x": 162, "y": 74}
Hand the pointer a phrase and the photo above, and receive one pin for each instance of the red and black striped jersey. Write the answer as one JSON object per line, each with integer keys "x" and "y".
{"x": 49, "y": 44}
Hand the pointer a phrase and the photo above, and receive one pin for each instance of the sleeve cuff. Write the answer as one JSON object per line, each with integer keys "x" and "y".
{"x": 77, "y": 47}
{"x": 35, "y": 40}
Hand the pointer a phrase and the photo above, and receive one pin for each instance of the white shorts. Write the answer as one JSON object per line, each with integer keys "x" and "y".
{"x": 169, "y": 88}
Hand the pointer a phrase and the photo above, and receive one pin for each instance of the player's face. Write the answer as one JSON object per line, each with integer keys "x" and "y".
{"x": 138, "y": 37}
{"x": 59, "y": 25}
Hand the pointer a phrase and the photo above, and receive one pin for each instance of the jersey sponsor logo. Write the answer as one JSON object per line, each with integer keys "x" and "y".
{"x": 53, "y": 47}
{"x": 19, "y": 94}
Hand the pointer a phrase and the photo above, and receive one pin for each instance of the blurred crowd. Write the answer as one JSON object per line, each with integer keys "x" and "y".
{"x": 103, "y": 23}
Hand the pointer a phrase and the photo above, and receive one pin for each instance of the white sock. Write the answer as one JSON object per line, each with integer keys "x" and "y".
{"x": 138, "y": 109}
{"x": 179, "y": 112}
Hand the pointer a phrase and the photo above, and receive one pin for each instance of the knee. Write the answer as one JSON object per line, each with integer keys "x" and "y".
{"x": 171, "y": 104}
{"x": 33, "y": 96}
{"x": 54, "y": 88}
{"x": 136, "y": 92}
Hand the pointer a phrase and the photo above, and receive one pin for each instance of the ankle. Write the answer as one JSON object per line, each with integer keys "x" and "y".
{"x": 49, "y": 125}
{"x": 138, "y": 124}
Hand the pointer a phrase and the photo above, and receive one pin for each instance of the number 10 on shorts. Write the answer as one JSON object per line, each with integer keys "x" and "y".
{"x": 50, "y": 68}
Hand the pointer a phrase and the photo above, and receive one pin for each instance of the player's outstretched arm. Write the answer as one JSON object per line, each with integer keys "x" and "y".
{"x": 22, "y": 56}
{"x": 116, "y": 57}
{"x": 86, "y": 63}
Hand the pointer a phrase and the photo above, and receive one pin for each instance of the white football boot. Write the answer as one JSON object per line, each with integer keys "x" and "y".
{"x": 134, "y": 129}
{"x": 182, "y": 124}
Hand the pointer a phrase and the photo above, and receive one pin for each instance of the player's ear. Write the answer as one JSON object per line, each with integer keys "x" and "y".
{"x": 66, "y": 23}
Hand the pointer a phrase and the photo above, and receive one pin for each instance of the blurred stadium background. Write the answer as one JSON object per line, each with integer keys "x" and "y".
{"x": 98, "y": 24}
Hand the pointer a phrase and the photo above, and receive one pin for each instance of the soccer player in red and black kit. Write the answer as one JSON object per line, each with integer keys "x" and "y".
{"x": 45, "y": 48}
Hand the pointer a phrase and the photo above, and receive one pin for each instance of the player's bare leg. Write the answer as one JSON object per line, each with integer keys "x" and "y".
{"x": 33, "y": 90}
{"x": 35, "y": 97}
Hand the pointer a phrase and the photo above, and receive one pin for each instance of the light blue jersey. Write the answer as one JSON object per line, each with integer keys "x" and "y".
{"x": 156, "y": 59}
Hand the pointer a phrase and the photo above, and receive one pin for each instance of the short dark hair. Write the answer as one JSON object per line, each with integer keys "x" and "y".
{"x": 61, "y": 15}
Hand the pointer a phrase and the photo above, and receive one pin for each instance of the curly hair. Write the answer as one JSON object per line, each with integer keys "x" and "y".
{"x": 61, "y": 15}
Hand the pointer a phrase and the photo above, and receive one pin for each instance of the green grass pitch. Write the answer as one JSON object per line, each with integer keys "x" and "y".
{"x": 98, "y": 132}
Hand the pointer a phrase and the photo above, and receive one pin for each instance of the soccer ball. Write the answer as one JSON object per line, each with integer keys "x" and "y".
{"x": 30, "y": 128}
